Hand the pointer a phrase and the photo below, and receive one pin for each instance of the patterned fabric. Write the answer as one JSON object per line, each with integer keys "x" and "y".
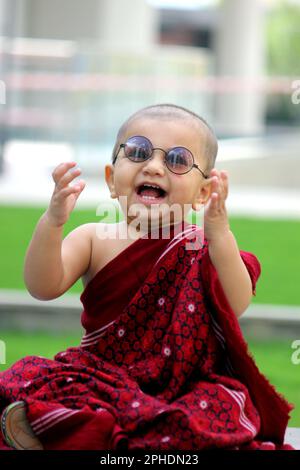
{"x": 169, "y": 371}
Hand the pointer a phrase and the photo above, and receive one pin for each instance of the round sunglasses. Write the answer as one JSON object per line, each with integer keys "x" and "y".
{"x": 179, "y": 160}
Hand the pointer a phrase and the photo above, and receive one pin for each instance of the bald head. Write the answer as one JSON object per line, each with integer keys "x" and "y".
{"x": 171, "y": 112}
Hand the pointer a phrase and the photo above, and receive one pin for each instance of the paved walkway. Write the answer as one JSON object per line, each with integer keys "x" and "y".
{"x": 11, "y": 297}
{"x": 251, "y": 201}
{"x": 292, "y": 436}
{"x": 264, "y": 174}
{"x": 20, "y": 311}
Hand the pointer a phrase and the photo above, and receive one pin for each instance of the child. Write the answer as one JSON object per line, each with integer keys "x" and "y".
{"x": 163, "y": 364}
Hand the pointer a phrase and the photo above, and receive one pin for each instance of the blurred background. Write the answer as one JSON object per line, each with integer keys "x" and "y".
{"x": 71, "y": 72}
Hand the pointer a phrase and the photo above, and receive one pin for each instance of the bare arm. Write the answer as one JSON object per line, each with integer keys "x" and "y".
{"x": 223, "y": 249}
{"x": 52, "y": 264}
{"x": 232, "y": 272}
{"x": 43, "y": 268}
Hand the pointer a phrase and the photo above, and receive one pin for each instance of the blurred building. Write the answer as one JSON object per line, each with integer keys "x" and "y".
{"x": 74, "y": 70}
{"x": 234, "y": 35}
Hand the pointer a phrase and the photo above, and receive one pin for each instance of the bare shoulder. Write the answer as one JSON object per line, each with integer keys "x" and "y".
{"x": 76, "y": 254}
{"x": 80, "y": 235}
{"x": 108, "y": 240}
{"x": 103, "y": 233}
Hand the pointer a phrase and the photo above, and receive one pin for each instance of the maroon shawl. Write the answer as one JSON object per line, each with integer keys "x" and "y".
{"x": 163, "y": 364}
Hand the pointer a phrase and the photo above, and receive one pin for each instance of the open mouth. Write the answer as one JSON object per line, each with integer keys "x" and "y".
{"x": 150, "y": 193}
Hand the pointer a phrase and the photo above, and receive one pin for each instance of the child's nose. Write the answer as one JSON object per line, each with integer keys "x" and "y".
{"x": 156, "y": 162}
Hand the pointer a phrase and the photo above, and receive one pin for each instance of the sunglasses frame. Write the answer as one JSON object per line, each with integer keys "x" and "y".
{"x": 123, "y": 145}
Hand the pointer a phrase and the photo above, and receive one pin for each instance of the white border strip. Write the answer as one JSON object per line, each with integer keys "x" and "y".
{"x": 240, "y": 399}
{"x": 51, "y": 419}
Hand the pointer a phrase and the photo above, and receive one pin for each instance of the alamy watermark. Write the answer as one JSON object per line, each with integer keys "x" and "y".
{"x": 296, "y": 94}
{"x": 295, "y": 359}
{"x": 2, "y": 352}
{"x": 2, "y": 92}
{"x": 152, "y": 221}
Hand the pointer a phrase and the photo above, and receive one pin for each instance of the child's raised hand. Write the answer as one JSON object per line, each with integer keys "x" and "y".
{"x": 64, "y": 197}
{"x": 216, "y": 222}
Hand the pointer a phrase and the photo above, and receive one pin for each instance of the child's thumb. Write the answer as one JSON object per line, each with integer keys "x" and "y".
{"x": 79, "y": 187}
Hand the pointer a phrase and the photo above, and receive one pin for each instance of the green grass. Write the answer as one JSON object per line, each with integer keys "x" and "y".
{"x": 274, "y": 242}
{"x": 273, "y": 359}
{"x": 276, "y": 245}
{"x": 18, "y": 224}
{"x": 20, "y": 344}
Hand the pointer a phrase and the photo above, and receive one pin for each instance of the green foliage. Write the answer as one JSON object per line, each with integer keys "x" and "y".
{"x": 282, "y": 59}
{"x": 283, "y": 40}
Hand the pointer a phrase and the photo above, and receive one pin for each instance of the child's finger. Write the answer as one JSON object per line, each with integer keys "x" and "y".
{"x": 209, "y": 180}
{"x": 224, "y": 176}
{"x": 215, "y": 181}
{"x": 65, "y": 192}
{"x": 68, "y": 177}
{"x": 80, "y": 186}
{"x": 221, "y": 183}
{"x": 215, "y": 188}
{"x": 61, "y": 169}
{"x": 214, "y": 202}
{"x": 214, "y": 172}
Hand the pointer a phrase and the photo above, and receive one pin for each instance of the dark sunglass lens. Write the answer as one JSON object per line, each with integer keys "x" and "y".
{"x": 137, "y": 149}
{"x": 179, "y": 160}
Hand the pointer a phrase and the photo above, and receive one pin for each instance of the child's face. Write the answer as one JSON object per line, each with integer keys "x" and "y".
{"x": 187, "y": 190}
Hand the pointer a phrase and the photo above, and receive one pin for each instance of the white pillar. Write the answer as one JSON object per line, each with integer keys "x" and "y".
{"x": 5, "y": 31}
{"x": 13, "y": 18}
{"x": 240, "y": 56}
{"x": 127, "y": 24}
{"x": 3, "y": 18}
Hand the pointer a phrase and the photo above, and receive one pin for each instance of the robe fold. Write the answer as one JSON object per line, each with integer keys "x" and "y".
{"x": 163, "y": 364}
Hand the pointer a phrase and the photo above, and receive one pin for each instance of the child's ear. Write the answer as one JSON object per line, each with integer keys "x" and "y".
{"x": 203, "y": 195}
{"x": 109, "y": 178}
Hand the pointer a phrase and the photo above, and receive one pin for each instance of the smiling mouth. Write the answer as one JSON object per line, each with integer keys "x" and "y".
{"x": 149, "y": 193}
